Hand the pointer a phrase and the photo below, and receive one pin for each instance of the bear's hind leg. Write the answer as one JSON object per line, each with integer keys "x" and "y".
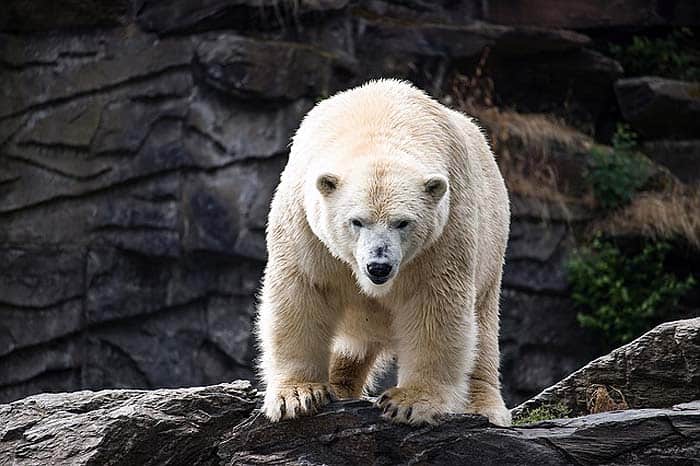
{"x": 485, "y": 388}
{"x": 349, "y": 372}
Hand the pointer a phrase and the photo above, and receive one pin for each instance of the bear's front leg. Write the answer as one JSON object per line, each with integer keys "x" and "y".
{"x": 295, "y": 326}
{"x": 436, "y": 343}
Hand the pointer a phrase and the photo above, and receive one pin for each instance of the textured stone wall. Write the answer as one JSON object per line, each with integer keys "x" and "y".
{"x": 140, "y": 143}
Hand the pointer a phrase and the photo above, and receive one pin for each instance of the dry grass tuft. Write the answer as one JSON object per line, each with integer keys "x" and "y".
{"x": 601, "y": 398}
{"x": 674, "y": 212}
{"x": 538, "y": 155}
{"x": 535, "y": 153}
{"x": 544, "y": 160}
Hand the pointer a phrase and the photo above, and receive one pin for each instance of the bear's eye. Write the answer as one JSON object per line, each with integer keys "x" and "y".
{"x": 356, "y": 223}
{"x": 402, "y": 224}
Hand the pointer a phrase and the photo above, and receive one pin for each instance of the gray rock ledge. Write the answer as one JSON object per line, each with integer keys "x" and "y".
{"x": 219, "y": 425}
{"x": 657, "y": 370}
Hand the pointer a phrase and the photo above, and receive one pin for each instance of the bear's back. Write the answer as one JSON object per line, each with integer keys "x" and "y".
{"x": 388, "y": 110}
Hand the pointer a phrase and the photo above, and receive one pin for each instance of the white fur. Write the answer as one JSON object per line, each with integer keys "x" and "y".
{"x": 382, "y": 153}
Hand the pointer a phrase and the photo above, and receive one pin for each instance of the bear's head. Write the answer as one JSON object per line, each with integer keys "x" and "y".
{"x": 377, "y": 214}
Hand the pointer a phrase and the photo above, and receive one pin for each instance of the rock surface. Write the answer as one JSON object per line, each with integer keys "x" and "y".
{"x": 352, "y": 433}
{"x": 592, "y": 13}
{"x": 682, "y": 158}
{"x": 218, "y": 425}
{"x": 179, "y": 426}
{"x": 642, "y": 100}
{"x": 657, "y": 370}
{"x": 140, "y": 143}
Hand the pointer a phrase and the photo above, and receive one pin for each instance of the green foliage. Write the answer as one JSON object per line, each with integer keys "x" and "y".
{"x": 617, "y": 174}
{"x": 669, "y": 57}
{"x": 543, "y": 413}
{"x": 623, "y": 295}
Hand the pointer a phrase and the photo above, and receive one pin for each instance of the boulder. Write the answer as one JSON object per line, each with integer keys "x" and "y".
{"x": 657, "y": 370}
{"x": 660, "y": 108}
{"x": 575, "y": 85}
{"x": 424, "y": 51}
{"x": 459, "y": 41}
{"x": 219, "y": 425}
{"x": 122, "y": 426}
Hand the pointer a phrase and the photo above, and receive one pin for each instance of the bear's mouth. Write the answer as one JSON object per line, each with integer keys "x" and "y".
{"x": 378, "y": 280}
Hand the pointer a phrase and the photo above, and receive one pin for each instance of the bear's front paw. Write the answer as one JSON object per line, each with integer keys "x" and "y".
{"x": 294, "y": 400}
{"x": 411, "y": 406}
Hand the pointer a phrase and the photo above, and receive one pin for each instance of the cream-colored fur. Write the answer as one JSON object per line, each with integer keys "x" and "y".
{"x": 377, "y": 152}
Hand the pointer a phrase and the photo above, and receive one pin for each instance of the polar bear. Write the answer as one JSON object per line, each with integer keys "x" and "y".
{"x": 386, "y": 238}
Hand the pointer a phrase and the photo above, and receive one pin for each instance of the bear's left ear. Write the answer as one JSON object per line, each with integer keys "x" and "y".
{"x": 436, "y": 186}
{"x": 327, "y": 183}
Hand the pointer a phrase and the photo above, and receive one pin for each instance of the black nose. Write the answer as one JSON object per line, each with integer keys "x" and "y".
{"x": 379, "y": 271}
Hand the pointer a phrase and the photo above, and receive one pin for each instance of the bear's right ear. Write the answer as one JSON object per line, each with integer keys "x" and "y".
{"x": 327, "y": 183}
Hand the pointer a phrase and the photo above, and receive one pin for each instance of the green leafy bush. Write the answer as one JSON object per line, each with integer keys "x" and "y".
{"x": 670, "y": 57}
{"x": 615, "y": 175}
{"x": 623, "y": 295}
{"x": 543, "y": 413}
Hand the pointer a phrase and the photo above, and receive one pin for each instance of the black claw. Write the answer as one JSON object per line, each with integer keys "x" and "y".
{"x": 283, "y": 408}
{"x": 393, "y": 413}
{"x": 386, "y": 408}
{"x": 307, "y": 402}
{"x": 297, "y": 410}
{"x": 382, "y": 399}
{"x": 409, "y": 412}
